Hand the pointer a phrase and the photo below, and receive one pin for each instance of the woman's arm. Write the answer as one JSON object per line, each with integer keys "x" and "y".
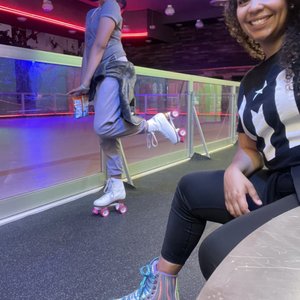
{"x": 105, "y": 29}
{"x": 247, "y": 159}
{"x": 84, "y": 62}
{"x": 236, "y": 184}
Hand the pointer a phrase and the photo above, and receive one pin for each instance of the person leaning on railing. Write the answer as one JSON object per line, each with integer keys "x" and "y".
{"x": 109, "y": 78}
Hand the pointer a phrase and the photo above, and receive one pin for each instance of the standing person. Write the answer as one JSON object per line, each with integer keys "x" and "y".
{"x": 259, "y": 184}
{"x": 109, "y": 78}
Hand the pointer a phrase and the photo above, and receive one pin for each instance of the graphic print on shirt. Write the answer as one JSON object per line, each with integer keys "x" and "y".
{"x": 259, "y": 92}
{"x": 289, "y": 117}
{"x": 264, "y": 131}
{"x": 279, "y": 111}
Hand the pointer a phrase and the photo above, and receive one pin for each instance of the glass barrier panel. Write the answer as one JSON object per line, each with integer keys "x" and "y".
{"x": 213, "y": 106}
{"x": 43, "y": 145}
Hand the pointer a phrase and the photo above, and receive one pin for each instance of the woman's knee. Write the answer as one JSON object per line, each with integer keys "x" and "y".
{"x": 210, "y": 255}
{"x": 102, "y": 129}
{"x": 180, "y": 197}
{"x": 198, "y": 189}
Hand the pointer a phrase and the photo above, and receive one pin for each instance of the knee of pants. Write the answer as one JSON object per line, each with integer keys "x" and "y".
{"x": 184, "y": 192}
{"x": 209, "y": 255}
{"x": 179, "y": 199}
{"x": 102, "y": 129}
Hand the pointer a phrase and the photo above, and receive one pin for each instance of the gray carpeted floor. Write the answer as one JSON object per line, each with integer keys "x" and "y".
{"x": 66, "y": 253}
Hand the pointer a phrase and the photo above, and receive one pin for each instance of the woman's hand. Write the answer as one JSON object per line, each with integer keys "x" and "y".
{"x": 236, "y": 187}
{"x": 81, "y": 90}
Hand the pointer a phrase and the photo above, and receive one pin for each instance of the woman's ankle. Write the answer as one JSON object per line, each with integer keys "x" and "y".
{"x": 167, "y": 268}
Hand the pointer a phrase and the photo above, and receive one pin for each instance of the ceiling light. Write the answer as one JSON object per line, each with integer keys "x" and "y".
{"x": 22, "y": 19}
{"x": 170, "y": 11}
{"x": 218, "y": 2}
{"x": 152, "y": 26}
{"x": 47, "y": 6}
{"x": 72, "y": 31}
{"x": 199, "y": 24}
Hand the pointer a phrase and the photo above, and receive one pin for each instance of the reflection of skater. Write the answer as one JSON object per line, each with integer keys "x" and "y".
{"x": 54, "y": 44}
{"x": 246, "y": 195}
{"x": 19, "y": 38}
{"x": 5, "y": 38}
{"x": 109, "y": 79}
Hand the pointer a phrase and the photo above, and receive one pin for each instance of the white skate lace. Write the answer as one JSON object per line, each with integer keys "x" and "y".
{"x": 108, "y": 186}
{"x": 151, "y": 140}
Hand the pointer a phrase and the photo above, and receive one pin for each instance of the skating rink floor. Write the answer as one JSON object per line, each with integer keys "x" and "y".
{"x": 66, "y": 253}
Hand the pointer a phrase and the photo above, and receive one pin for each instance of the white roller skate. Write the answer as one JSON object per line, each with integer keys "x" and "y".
{"x": 155, "y": 285}
{"x": 163, "y": 123}
{"x": 114, "y": 197}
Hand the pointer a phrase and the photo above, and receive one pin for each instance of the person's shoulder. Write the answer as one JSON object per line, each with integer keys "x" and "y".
{"x": 111, "y": 4}
{"x": 252, "y": 72}
{"x": 111, "y": 9}
{"x": 263, "y": 68}
{"x": 91, "y": 12}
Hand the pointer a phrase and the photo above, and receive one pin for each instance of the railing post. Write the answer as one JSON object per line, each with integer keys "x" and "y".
{"x": 190, "y": 120}
{"x": 233, "y": 114}
{"x": 23, "y": 104}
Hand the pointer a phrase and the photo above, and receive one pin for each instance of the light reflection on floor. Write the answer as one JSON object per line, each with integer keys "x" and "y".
{"x": 39, "y": 152}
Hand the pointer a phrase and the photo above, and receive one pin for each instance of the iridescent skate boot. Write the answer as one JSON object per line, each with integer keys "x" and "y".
{"x": 163, "y": 123}
{"x": 155, "y": 285}
{"x": 114, "y": 197}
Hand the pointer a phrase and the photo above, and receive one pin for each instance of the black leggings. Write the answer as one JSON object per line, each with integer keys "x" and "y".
{"x": 199, "y": 198}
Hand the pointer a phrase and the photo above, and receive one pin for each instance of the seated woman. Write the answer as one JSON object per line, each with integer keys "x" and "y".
{"x": 253, "y": 188}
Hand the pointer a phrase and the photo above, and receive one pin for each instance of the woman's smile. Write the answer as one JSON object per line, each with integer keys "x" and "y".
{"x": 260, "y": 21}
{"x": 264, "y": 21}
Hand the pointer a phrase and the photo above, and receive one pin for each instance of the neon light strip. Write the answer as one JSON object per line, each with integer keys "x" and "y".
{"x": 41, "y": 18}
{"x": 135, "y": 34}
{"x": 62, "y": 23}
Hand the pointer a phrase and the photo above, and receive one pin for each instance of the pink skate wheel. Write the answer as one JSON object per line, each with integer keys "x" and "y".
{"x": 122, "y": 209}
{"x": 175, "y": 114}
{"x": 182, "y": 132}
{"x": 95, "y": 211}
{"x": 104, "y": 212}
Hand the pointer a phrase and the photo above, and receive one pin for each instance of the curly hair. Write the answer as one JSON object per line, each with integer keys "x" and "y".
{"x": 290, "y": 51}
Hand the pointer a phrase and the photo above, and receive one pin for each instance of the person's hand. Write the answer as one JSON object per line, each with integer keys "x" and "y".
{"x": 236, "y": 187}
{"x": 81, "y": 90}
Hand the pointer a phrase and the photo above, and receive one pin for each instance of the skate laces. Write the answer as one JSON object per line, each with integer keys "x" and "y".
{"x": 148, "y": 282}
{"x": 108, "y": 186}
{"x": 147, "y": 285}
{"x": 151, "y": 140}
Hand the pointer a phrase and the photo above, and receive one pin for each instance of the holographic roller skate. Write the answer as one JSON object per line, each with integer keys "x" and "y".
{"x": 113, "y": 198}
{"x": 155, "y": 285}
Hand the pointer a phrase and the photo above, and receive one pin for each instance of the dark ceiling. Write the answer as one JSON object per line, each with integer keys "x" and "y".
{"x": 195, "y": 49}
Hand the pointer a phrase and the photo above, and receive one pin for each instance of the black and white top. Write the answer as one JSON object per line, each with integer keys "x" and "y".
{"x": 269, "y": 113}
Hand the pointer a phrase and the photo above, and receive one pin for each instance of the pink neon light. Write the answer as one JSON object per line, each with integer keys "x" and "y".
{"x": 135, "y": 34}
{"x": 62, "y": 23}
{"x": 41, "y": 18}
